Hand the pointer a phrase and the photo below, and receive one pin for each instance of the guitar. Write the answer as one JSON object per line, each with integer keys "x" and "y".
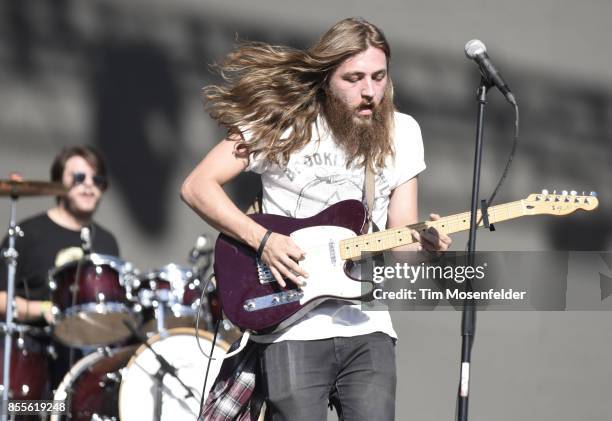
{"x": 253, "y": 300}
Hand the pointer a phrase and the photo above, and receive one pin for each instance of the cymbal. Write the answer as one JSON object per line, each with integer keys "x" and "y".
{"x": 31, "y": 188}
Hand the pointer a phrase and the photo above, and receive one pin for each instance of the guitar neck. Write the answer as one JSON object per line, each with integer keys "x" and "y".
{"x": 352, "y": 248}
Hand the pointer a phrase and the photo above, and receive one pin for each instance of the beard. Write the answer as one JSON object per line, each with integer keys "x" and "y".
{"x": 363, "y": 138}
{"x": 78, "y": 211}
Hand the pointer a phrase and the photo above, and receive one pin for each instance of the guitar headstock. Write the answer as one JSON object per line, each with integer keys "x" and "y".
{"x": 559, "y": 204}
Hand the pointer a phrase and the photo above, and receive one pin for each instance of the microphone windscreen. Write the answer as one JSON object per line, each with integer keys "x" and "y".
{"x": 474, "y": 48}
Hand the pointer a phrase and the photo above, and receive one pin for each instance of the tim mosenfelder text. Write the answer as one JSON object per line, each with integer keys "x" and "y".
{"x": 459, "y": 274}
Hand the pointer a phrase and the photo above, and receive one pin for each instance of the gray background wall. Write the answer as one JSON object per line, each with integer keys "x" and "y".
{"x": 126, "y": 76}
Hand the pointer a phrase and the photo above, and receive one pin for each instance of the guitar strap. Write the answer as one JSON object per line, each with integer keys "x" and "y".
{"x": 368, "y": 195}
{"x": 255, "y": 206}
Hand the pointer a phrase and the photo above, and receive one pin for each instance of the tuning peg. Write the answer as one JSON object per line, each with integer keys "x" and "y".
{"x": 566, "y": 195}
{"x": 554, "y": 192}
{"x": 545, "y": 192}
{"x": 593, "y": 193}
{"x": 573, "y": 193}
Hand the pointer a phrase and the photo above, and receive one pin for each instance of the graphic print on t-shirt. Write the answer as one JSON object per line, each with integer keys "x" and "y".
{"x": 326, "y": 188}
{"x": 321, "y": 179}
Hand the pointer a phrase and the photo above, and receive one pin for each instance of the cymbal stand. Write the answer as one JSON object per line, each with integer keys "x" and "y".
{"x": 10, "y": 256}
{"x": 160, "y": 316}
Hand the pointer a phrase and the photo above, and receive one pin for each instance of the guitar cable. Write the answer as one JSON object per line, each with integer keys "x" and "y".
{"x": 515, "y": 138}
{"x": 212, "y": 347}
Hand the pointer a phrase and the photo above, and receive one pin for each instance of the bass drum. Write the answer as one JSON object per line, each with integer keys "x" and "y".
{"x": 180, "y": 348}
{"x": 91, "y": 387}
{"x": 118, "y": 384}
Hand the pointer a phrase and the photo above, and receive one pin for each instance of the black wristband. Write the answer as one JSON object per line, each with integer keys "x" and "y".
{"x": 262, "y": 244}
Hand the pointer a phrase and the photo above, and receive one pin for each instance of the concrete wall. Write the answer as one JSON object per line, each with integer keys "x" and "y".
{"x": 125, "y": 77}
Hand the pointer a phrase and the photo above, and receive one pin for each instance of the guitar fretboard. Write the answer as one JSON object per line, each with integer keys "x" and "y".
{"x": 352, "y": 248}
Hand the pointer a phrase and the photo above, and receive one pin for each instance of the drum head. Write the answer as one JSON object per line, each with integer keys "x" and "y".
{"x": 180, "y": 348}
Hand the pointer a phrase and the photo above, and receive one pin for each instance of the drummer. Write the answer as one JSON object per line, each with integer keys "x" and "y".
{"x": 53, "y": 238}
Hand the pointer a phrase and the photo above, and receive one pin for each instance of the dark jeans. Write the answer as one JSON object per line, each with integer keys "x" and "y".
{"x": 356, "y": 374}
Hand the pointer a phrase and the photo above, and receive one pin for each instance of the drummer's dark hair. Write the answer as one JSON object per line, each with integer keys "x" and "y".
{"x": 88, "y": 153}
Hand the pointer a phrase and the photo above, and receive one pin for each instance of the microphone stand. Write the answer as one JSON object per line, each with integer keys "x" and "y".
{"x": 164, "y": 368}
{"x": 468, "y": 317}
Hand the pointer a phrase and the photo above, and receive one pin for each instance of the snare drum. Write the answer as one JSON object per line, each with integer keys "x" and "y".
{"x": 29, "y": 362}
{"x": 176, "y": 289}
{"x": 90, "y": 300}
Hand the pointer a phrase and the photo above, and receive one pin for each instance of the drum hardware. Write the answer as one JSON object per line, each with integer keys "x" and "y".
{"x": 51, "y": 352}
{"x": 168, "y": 297}
{"x": 160, "y": 316}
{"x": 10, "y": 255}
{"x": 201, "y": 248}
{"x": 105, "y": 351}
{"x": 114, "y": 377}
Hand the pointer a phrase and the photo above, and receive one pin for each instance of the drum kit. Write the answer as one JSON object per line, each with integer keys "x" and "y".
{"x": 100, "y": 303}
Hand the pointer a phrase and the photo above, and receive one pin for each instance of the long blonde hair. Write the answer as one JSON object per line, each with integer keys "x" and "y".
{"x": 275, "y": 91}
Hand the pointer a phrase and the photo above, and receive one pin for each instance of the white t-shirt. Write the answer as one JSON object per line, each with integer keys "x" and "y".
{"x": 315, "y": 178}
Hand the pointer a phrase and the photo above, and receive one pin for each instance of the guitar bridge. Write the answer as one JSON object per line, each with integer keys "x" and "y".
{"x": 264, "y": 273}
{"x": 272, "y": 300}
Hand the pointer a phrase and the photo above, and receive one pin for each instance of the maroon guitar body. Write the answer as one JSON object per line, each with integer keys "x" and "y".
{"x": 240, "y": 279}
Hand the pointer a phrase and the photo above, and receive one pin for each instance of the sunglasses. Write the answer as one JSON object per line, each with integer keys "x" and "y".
{"x": 98, "y": 180}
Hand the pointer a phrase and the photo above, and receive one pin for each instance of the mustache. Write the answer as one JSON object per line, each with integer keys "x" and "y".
{"x": 367, "y": 105}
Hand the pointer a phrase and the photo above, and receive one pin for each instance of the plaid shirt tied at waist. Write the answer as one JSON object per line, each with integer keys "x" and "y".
{"x": 233, "y": 395}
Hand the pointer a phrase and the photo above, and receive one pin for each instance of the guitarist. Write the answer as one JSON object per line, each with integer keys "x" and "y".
{"x": 309, "y": 121}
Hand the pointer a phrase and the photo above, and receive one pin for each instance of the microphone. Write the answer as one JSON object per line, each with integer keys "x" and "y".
{"x": 199, "y": 248}
{"x": 476, "y": 50}
{"x": 86, "y": 240}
